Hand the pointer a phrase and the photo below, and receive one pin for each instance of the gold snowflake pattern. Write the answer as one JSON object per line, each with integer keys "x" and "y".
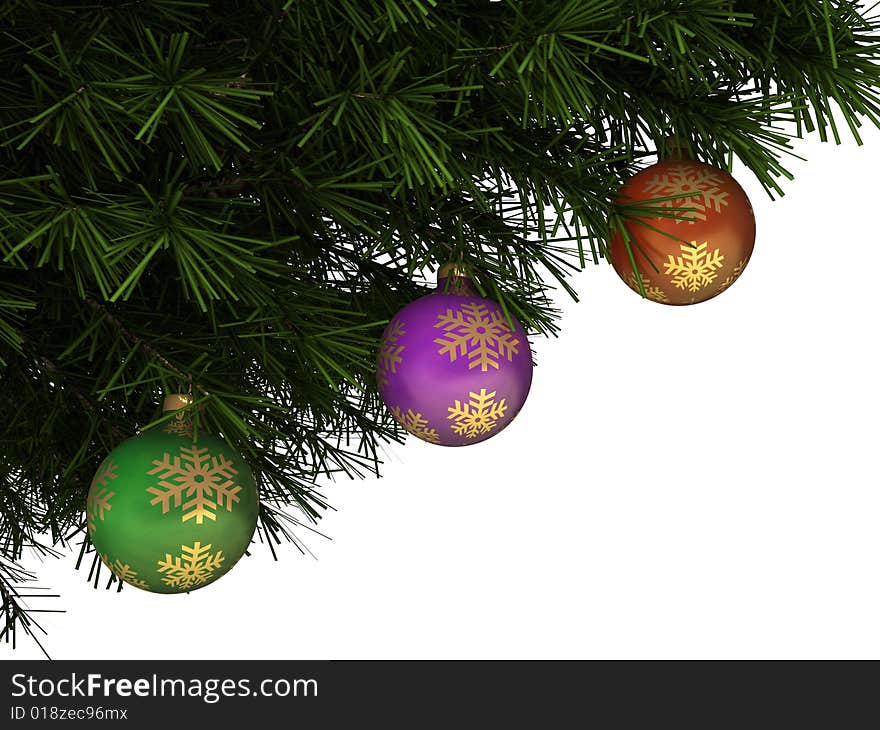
{"x": 652, "y": 291}
{"x": 99, "y": 494}
{"x": 478, "y": 416}
{"x": 696, "y": 268}
{"x": 484, "y": 336}
{"x": 389, "y": 353}
{"x": 737, "y": 271}
{"x": 697, "y": 188}
{"x": 205, "y": 481}
{"x": 195, "y": 566}
{"x": 124, "y": 572}
{"x": 416, "y": 424}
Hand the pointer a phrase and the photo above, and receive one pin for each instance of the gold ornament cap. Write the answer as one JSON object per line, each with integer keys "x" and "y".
{"x": 176, "y": 401}
{"x": 675, "y": 147}
{"x": 451, "y": 270}
{"x": 454, "y": 279}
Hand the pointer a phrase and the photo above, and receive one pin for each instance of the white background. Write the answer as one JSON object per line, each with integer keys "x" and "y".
{"x": 683, "y": 482}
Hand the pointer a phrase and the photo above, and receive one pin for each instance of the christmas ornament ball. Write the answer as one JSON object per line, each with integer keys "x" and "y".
{"x": 692, "y": 256}
{"x": 170, "y": 514}
{"x": 451, "y": 367}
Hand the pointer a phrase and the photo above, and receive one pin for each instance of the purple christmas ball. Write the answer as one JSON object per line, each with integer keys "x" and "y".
{"x": 451, "y": 368}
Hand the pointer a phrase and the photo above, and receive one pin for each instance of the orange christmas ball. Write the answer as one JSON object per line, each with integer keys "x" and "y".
{"x": 697, "y": 252}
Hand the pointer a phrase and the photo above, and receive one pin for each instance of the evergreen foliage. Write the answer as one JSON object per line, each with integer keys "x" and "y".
{"x": 232, "y": 198}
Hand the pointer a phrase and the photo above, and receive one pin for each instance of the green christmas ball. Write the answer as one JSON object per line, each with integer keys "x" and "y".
{"x": 170, "y": 514}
